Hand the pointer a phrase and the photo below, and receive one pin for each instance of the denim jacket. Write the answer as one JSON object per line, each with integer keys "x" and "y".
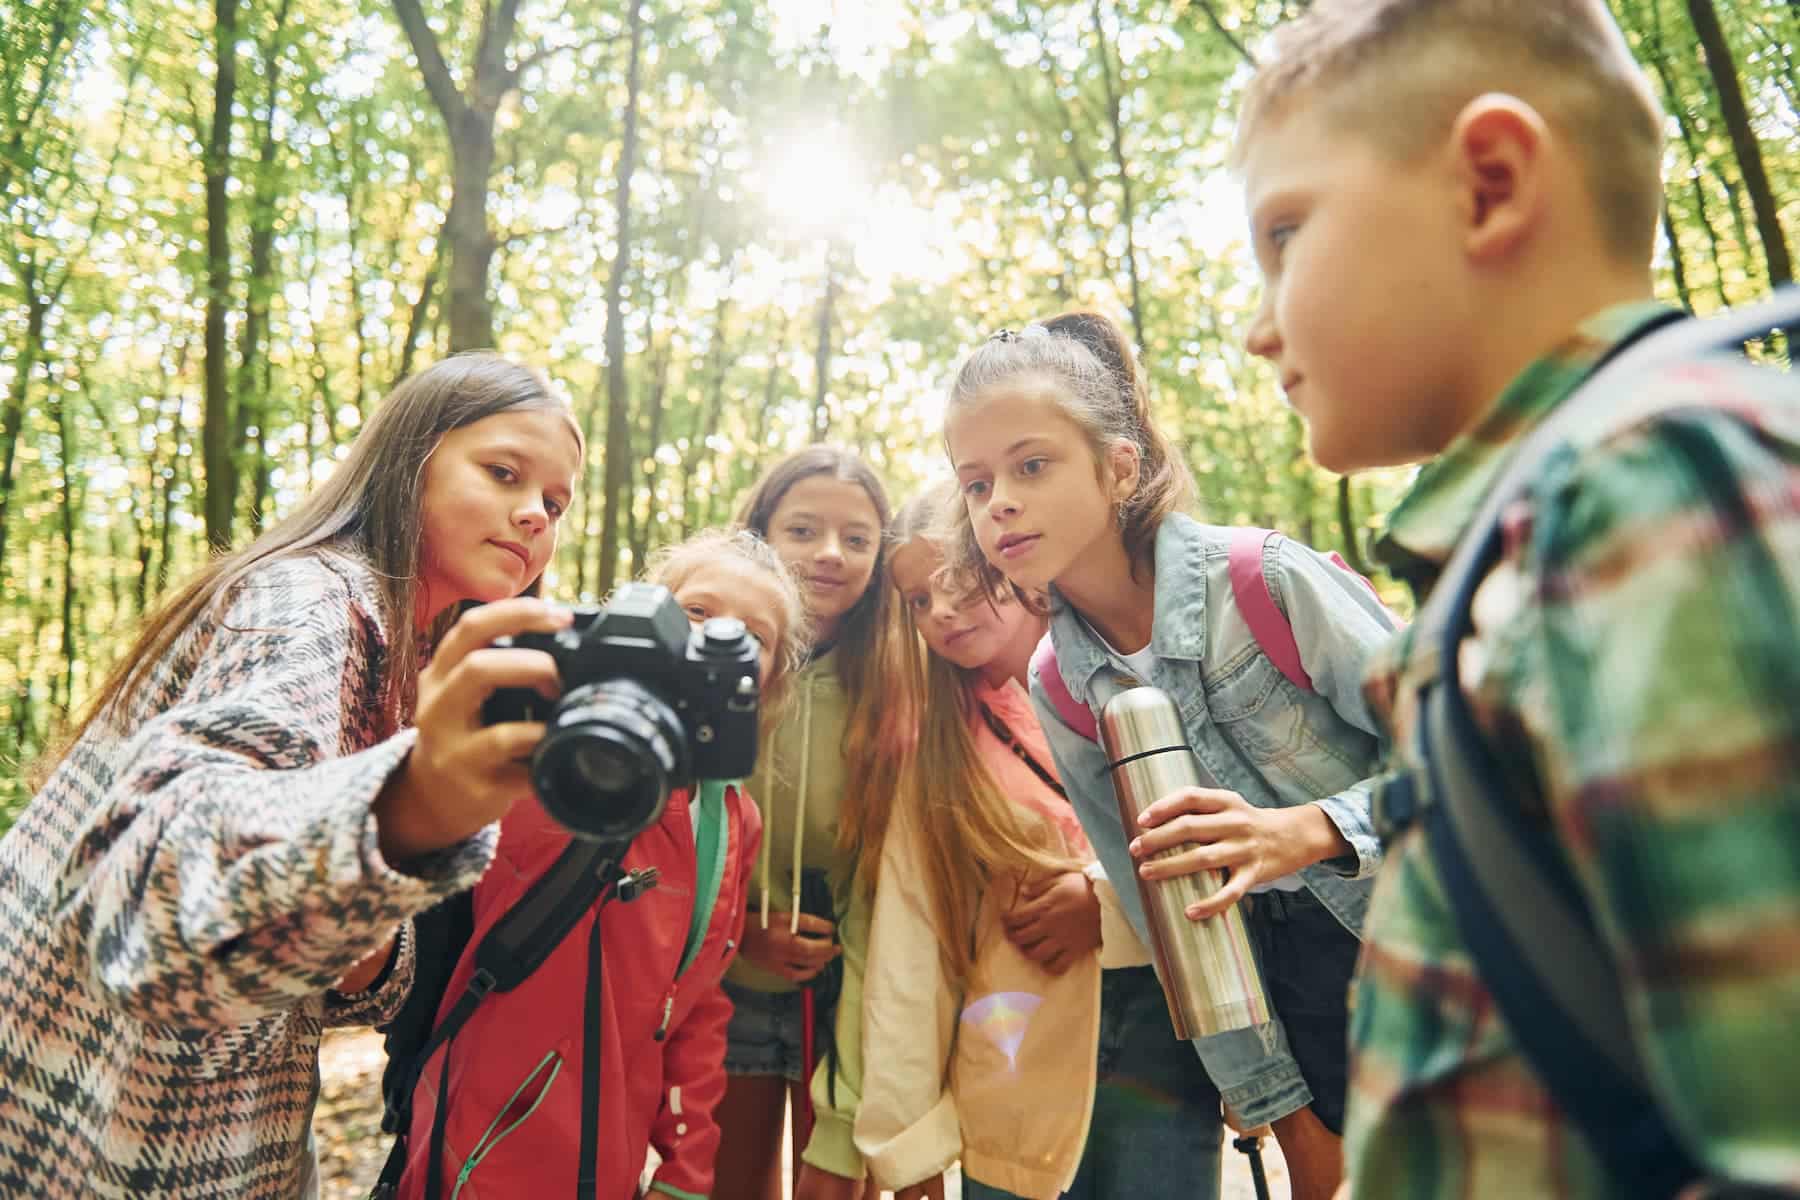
{"x": 1254, "y": 732}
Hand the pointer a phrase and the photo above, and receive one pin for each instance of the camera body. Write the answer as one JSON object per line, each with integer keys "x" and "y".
{"x": 650, "y": 703}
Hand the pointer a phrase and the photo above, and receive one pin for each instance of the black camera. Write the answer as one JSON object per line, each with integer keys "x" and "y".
{"x": 650, "y": 703}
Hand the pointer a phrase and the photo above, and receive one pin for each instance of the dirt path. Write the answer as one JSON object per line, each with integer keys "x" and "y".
{"x": 352, "y": 1146}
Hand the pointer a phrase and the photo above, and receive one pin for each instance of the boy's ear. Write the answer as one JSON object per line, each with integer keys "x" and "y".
{"x": 1499, "y": 145}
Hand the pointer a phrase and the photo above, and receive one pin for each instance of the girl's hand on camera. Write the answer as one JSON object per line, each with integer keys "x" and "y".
{"x": 461, "y": 774}
{"x": 795, "y": 957}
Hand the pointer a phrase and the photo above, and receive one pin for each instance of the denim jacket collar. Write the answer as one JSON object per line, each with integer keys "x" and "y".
{"x": 1178, "y": 628}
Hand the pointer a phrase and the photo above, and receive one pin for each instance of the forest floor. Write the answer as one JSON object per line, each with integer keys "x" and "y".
{"x": 352, "y": 1147}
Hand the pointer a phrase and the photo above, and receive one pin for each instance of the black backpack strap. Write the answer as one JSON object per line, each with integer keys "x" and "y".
{"x": 517, "y": 945}
{"x": 587, "y": 1185}
{"x": 1515, "y": 898}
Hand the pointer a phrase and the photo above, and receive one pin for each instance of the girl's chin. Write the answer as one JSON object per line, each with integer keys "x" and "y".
{"x": 962, "y": 660}
{"x": 831, "y": 611}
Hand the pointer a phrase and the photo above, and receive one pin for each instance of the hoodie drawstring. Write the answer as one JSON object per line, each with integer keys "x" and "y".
{"x": 765, "y": 865}
{"x": 800, "y": 805}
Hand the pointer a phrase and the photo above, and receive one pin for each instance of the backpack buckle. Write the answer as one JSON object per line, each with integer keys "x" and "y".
{"x": 636, "y": 883}
{"x": 1396, "y": 804}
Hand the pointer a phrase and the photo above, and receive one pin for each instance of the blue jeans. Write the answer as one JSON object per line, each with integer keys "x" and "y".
{"x": 1155, "y": 1132}
{"x": 1307, "y": 959}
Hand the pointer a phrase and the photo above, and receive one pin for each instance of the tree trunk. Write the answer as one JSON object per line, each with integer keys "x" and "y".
{"x": 351, "y": 174}
{"x": 65, "y": 422}
{"x": 469, "y": 119}
{"x": 415, "y": 324}
{"x": 466, "y": 233}
{"x": 1677, "y": 266}
{"x": 1744, "y": 144}
{"x": 259, "y": 496}
{"x": 217, "y": 452}
{"x": 822, "y": 352}
{"x": 618, "y": 412}
{"x": 1346, "y": 509}
{"x": 12, "y": 421}
{"x": 639, "y": 541}
{"x": 66, "y": 22}
{"x": 1115, "y": 114}
{"x": 252, "y": 398}
{"x": 587, "y": 490}
{"x": 708, "y": 424}
{"x": 752, "y": 465}
{"x": 180, "y": 463}
{"x": 145, "y": 517}
{"x": 1657, "y": 54}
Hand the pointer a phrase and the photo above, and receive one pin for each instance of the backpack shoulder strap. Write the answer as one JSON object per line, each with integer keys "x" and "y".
{"x": 1270, "y": 627}
{"x": 1074, "y": 714}
{"x": 507, "y": 954}
{"x": 1514, "y": 897}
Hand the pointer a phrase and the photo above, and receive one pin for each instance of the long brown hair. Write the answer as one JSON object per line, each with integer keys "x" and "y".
{"x": 1097, "y": 384}
{"x": 879, "y": 733}
{"x": 368, "y": 508}
{"x": 973, "y": 835}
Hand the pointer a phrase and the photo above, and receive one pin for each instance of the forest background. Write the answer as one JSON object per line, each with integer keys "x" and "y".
{"x": 726, "y": 228}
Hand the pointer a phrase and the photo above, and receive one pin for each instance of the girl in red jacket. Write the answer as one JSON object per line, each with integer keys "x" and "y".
{"x": 514, "y": 1123}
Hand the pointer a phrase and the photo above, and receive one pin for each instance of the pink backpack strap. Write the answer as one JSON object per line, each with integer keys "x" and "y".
{"x": 1338, "y": 559}
{"x": 1268, "y": 624}
{"x": 1074, "y": 714}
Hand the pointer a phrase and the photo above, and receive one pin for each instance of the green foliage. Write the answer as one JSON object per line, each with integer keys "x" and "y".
{"x": 938, "y": 168}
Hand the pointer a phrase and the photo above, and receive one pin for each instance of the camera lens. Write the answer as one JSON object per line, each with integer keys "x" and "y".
{"x": 613, "y": 751}
{"x": 603, "y": 769}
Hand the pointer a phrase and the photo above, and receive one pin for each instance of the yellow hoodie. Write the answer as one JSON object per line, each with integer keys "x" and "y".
{"x": 799, "y": 786}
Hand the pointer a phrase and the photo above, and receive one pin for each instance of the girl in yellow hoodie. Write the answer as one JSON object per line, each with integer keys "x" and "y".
{"x": 824, "y": 780}
{"x": 997, "y": 942}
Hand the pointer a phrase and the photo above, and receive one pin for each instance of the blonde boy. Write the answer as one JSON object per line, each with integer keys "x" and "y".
{"x": 1453, "y": 203}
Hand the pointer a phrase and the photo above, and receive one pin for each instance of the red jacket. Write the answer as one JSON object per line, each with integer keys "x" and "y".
{"x": 515, "y": 1068}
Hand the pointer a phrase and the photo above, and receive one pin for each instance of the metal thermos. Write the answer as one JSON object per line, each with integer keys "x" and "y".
{"x": 1207, "y": 968}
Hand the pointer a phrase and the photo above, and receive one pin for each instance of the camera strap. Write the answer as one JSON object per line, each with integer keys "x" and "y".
{"x": 581, "y": 880}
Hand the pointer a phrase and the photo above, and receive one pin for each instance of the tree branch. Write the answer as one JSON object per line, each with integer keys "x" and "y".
{"x": 508, "y": 240}
{"x": 1231, "y": 39}
{"x": 543, "y": 54}
{"x": 492, "y": 78}
{"x": 432, "y": 66}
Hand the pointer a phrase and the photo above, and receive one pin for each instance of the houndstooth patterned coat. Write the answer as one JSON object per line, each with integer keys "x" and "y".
{"x": 177, "y": 902}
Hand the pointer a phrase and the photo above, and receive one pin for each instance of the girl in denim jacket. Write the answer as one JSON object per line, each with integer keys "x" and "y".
{"x": 1069, "y": 488}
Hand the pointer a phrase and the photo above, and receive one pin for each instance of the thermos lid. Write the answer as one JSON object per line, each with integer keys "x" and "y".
{"x": 1139, "y": 720}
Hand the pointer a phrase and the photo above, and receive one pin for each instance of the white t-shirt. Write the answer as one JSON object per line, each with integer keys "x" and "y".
{"x": 1138, "y": 664}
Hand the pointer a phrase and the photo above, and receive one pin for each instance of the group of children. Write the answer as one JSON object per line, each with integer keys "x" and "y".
{"x": 917, "y": 928}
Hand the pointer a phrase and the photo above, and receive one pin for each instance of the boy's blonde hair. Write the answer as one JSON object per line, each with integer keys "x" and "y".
{"x": 673, "y": 566}
{"x": 1399, "y": 71}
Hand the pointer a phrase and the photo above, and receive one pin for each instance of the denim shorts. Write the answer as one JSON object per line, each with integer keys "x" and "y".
{"x": 1307, "y": 958}
{"x": 764, "y": 1037}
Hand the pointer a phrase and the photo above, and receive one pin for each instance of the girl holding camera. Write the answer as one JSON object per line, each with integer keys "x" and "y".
{"x": 825, "y": 780}
{"x": 226, "y": 855}
{"x": 514, "y": 1071}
